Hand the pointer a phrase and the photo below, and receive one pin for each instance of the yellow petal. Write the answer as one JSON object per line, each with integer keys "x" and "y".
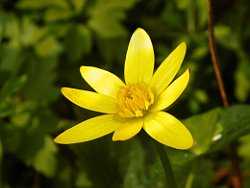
{"x": 171, "y": 93}
{"x": 90, "y": 100}
{"x": 88, "y": 130}
{"x": 102, "y": 81}
{"x": 129, "y": 128}
{"x": 167, "y": 130}
{"x": 139, "y": 64}
{"x": 168, "y": 69}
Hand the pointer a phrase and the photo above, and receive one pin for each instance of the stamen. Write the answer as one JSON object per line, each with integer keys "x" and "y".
{"x": 134, "y": 100}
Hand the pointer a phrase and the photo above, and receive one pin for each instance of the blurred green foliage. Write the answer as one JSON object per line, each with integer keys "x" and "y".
{"x": 44, "y": 42}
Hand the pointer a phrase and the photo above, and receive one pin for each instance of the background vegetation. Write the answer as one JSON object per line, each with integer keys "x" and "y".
{"x": 44, "y": 42}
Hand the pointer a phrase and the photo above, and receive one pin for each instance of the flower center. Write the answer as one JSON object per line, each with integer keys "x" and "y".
{"x": 134, "y": 100}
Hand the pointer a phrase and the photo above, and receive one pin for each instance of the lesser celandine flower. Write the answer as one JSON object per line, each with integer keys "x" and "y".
{"x": 134, "y": 104}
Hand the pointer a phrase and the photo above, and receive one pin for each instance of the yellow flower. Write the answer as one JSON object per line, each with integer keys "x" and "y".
{"x": 136, "y": 104}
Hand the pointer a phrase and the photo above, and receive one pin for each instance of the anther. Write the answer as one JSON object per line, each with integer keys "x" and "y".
{"x": 134, "y": 100}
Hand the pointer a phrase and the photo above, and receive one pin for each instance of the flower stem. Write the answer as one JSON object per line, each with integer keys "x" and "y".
{"x": 166, "y": 165}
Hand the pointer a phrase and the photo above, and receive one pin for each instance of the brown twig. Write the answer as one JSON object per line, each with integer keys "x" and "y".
{"x": 236, "y": 175}
{"x": 214, "y": 55}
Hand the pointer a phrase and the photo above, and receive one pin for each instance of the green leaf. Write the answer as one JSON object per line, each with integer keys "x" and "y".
{"x": 234, "y": 123}
{"x": 244, "y": 154}
{"x": 40, "y": 4}
{"x": 203, "y": 128}
{"x": 12, "y": 30}
{"x": 40, "y": 78}
{"x": 78, "y": 5}
{"x": 107, "y": 26}
{"x": 226, "y": 37}
{"x": 21, "y": 32}
{"x": 56, "y": 14}
{"x": 12, "y": 86}
{"x": 217, "y": 128}
{"x": 11, "y": 59}
{"x": 242, "y": 79}
{"x": 78, "y": 42}
{"x": 244, "y": 151}
{"x": 106, "y": 16}
{"x": 48, "y": 47}
{"x": 82, "y": 179}
{"x": 28, "y": 32}
{"x": 29, "y": 140}
{"x": 44, "y": 160}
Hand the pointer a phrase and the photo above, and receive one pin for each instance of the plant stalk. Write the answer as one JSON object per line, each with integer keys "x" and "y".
{"x": 166, "y": 165}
